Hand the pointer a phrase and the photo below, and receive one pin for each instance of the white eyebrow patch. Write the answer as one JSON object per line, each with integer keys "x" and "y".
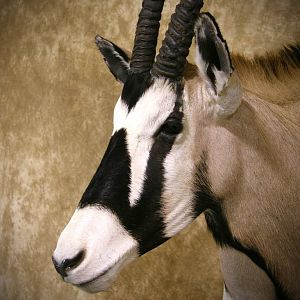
{"x": 120, "y": 115}
{"x": 141, "y": 123}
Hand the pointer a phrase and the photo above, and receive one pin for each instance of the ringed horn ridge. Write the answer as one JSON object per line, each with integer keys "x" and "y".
{"x": 171, "y": 60}
{"x": 145, "y": 41}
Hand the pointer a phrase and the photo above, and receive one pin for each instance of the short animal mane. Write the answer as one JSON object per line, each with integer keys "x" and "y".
{"x": 274, "y": 76}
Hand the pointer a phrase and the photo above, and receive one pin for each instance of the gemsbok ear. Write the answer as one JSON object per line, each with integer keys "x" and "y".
{"x": 214, "y": 65}
{"x": 114, "y": 57}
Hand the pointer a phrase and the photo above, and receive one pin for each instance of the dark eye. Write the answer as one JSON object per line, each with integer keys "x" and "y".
{"x": 172, "y": 126}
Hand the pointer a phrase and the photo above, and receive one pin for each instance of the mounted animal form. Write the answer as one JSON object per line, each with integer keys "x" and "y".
{"x": 220, "y": 137}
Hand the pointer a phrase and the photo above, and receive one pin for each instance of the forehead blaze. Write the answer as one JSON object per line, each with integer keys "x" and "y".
{"x": 151, "y": 109}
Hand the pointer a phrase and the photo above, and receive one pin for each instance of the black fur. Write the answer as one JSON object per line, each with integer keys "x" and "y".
{"x": 207, "y": 202}
{"x": 115, "y": 58}
{"x": 286, "y": 59}
{"x": 210, "y": 55}
{"x": 212, "y": 46}
{"x": 135, "y": 87}
{"x": 110, "y": 187}
{"x": 143, "y": 220}
{"x": 148, "y": 210}
{"x": 110, "y": 184}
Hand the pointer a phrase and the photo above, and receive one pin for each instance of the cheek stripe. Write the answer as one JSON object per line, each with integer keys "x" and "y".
{"x": 148, "y": 209}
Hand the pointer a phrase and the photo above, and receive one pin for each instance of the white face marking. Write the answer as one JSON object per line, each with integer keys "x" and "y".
{"x": 120, "y": 115}
{"x": 107, "y": 245}
{"x": 141, "y": 123}
{"x": 180, "y": 168}
{"x": 97, "y": 231}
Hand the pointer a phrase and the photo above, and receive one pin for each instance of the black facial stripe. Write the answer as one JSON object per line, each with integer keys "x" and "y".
{"x": 148, "y": 216}
{"x": 110, "y": 184}
{"x": 110, "y": 187}
{"x": 217, "y": 223}
{"x": 134, "y": 87}
{"x": 149, "y": 231}
{"x": 143, "y": 221}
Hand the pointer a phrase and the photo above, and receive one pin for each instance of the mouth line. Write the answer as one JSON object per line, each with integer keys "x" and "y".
{"x": 96, "y": 277}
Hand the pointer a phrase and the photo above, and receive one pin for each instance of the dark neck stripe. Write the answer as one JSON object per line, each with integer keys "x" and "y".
{"x": 218, "y": 225}
{"x": 207, "y": 202}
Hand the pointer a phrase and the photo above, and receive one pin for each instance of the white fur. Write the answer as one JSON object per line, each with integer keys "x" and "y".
{"x": 222, "y": 102}
{"x": 221, "y": 99}
{"x": 179, "y": 165}
{"x": 229, "y": 98}
{"x": 141, "y": 123}
{"x": 120, "y": 115}
{"x": 98, "y": 232}
{"x": 178, "y": 191}
{"x": 205, "y": 29}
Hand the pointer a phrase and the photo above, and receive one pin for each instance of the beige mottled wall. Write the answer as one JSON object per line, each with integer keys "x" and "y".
{"x": 56, "y": 101}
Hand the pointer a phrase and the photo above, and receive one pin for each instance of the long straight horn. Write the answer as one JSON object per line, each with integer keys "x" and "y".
{"x": 147, "y": 29}
{"x": 171, "y": 60}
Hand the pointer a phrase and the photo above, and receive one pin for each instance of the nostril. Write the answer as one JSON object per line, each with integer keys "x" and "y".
{"x": 58, "y": 268}
{"x": 72, "y": 263}
{"x": 68, "y": 264}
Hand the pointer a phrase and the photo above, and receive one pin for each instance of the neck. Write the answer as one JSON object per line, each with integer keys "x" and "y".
{"x": 252, "y": 161}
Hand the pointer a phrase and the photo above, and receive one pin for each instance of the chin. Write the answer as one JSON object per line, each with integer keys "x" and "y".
{"x": 96, "y": 285}
{"x": 96, "y": 259}
{"x": 104, "y": 280}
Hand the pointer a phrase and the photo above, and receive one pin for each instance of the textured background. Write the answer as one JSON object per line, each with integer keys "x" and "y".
{"x": 56, "y": 102}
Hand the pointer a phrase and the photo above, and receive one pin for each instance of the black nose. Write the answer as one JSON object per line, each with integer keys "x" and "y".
{"x": 68, "y": 264}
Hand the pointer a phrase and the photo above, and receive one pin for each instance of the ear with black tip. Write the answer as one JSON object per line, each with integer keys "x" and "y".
{"x": 115, "y": 58}
{"x": 213, "y": 58}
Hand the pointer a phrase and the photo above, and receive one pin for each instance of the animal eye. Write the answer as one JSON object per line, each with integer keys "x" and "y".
{"x": 172, "y": 126}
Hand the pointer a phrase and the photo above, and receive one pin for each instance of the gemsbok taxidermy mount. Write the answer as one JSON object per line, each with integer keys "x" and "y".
{"x": 219, "y": 137}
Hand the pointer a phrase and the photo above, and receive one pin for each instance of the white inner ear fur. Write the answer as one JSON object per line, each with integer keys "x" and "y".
{"x": 222, "y": 100}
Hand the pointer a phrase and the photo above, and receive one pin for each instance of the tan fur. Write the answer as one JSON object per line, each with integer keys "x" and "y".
{"x": 257, "y": 75}
{"x": 56, "y": 103}
{"x": 254, "y": 163}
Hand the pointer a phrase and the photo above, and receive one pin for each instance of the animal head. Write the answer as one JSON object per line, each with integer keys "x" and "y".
{"x": 146, "y": 188}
